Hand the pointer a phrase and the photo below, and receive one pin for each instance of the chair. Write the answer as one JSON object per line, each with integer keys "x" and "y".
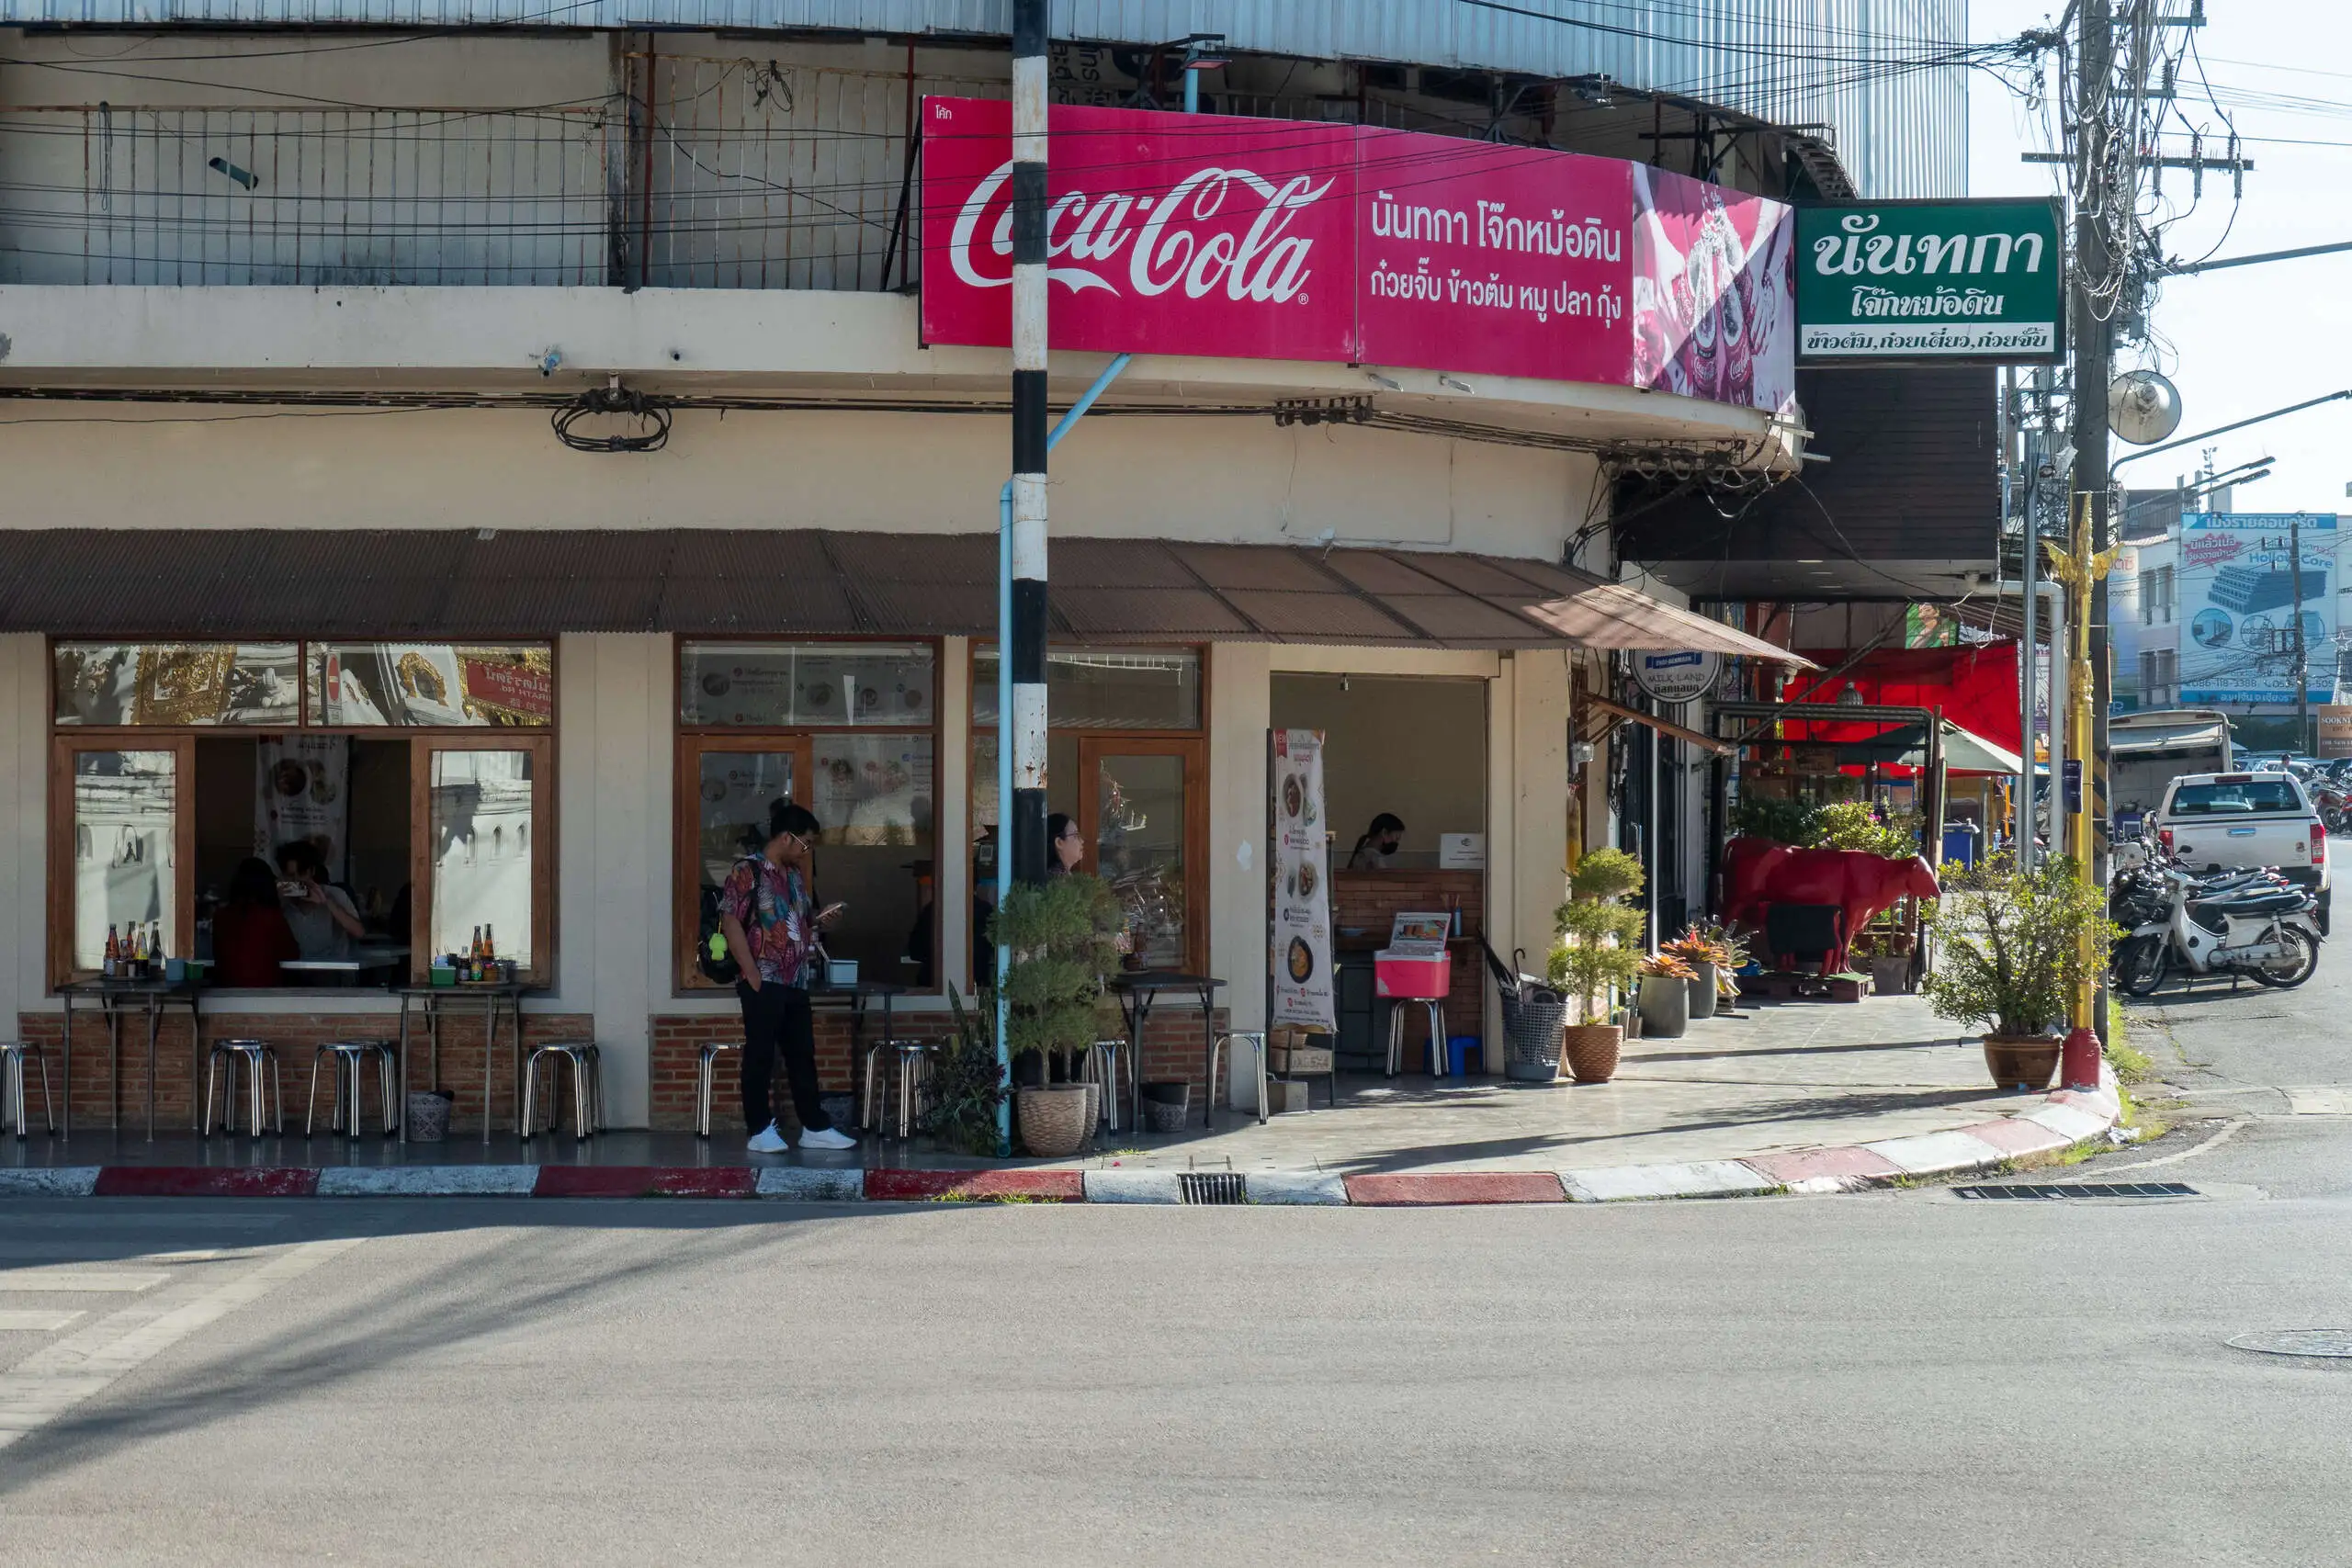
{"x": 350, "y": 1057}
{"x": 221, "y": 1066}
{"x": 1103, "y": 1067}
{"x": 914, "y": 1071}
{"x": 1256, "y": 1042}
{"x": 706, "y": 1072}
{"x": 14, "y": 1054}
{"x": 1436, "y": 1011}
{"x": 587, "y": 1088}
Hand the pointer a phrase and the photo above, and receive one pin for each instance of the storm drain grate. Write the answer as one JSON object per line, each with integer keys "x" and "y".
{"x": 2045, "y": 1191}
{"x": 1212, "y": 1187}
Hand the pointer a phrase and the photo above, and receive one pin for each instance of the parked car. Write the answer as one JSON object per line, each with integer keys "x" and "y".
{"x": 2245, "y": 821}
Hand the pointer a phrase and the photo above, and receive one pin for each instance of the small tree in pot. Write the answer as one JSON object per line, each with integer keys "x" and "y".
{"x": 1063, "y": 938}
{"x": 2010, "y": 959}
{"x": 1599, "y": 950}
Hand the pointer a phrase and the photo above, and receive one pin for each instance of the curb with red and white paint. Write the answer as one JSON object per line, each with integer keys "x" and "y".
{"x": 2066, "y": 1117}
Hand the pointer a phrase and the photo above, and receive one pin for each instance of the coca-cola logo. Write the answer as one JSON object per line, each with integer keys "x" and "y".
{"x": 1218, "y": 230}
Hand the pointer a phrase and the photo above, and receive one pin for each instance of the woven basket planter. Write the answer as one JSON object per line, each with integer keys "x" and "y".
{"x": 1053, "y": 1121}
{"x": 1590, "y": 1050}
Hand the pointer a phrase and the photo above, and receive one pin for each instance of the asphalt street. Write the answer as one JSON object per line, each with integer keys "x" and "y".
{"x": 1902, "y": 1377}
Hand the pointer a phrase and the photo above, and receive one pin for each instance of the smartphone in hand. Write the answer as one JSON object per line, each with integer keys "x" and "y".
{"x": 829, "y": 913}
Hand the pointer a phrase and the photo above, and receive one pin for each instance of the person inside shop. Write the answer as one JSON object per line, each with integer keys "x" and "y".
{"x": 1064, "y": 846}
{"x": 250, "y": 936}
{"x": 322, "y": 916}
{"x": 772, "y": 928}
{"x": 1376, "y": 851}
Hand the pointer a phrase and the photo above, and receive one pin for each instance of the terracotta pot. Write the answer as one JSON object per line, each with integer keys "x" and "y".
{"x": 2022, "y": 1062}
{"x": 1703, "y": 991}
{"x": 1665, "y": 1005}
{"x": 1590, "y": 1050}
{"x": 1053, "y": 1119}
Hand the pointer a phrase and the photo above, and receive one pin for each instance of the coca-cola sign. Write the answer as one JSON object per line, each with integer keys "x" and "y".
{"x": 1209, "y": 235}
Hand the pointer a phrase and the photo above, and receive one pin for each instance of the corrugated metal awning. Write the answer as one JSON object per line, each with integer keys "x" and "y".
{"x": 435, "y": 583}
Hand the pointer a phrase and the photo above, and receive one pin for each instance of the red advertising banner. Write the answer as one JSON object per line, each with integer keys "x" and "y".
{"x": 1219, "y": 236}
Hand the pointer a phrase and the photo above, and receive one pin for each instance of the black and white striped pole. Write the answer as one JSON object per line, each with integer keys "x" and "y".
{"x": 1022, "y": 643}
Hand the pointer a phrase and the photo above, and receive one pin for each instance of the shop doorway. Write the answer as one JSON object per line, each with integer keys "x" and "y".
{"x": 1413, "y": 747}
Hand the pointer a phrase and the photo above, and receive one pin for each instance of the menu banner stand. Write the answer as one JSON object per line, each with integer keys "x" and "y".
{"x": 1300, "y": 991}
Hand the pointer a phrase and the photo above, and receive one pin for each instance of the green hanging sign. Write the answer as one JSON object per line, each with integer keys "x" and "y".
{"x": 1936, "y": 281}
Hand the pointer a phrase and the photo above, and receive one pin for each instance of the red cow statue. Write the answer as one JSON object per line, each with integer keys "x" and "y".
{"x": 1759, "y": 873}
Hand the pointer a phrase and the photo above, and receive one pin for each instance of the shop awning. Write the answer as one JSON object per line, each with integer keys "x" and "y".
{"x": 439, "y": 583}
{"x": 1963, "y": 752}
{"x": 2156, "y": 739}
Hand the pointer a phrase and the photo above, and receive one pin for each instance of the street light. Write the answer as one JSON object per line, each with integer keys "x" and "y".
{"x": 2224, "y": 430}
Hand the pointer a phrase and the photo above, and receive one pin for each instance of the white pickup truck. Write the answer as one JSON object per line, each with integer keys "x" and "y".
{"x": 2236, "y": 821}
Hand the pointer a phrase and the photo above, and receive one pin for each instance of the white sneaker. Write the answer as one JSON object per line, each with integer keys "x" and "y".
{"x": 767, "y": 1141}
{"x": 830, "y": 1138}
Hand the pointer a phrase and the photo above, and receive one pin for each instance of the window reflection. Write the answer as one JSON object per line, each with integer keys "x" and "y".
{"x": 771, "y": 685}
{"x": 481, "y": 824}
{"x": 439, "y": 684}
{"x": 175, "y": 683}
{"x": 123, "y": 846}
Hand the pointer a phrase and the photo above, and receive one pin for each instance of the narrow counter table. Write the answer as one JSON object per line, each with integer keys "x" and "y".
{"x": 1137, "y": 990}
{"x": 115, "y": 998}
{"x": 491, "y": 998}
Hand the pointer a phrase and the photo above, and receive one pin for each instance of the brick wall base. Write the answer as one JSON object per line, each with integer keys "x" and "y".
{"x": 296, "y": 1038}
{"x": 1174, "y": 1050}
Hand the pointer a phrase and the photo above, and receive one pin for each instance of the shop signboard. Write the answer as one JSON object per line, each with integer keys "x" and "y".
{"x": 1677, "y": 678}
{"x": 1245, "y": 238}
{"x": 2238, "y": 605}
{"x": 2335, "y": 731}
{"x": 1301, "y": 948}
{"x": 1940, "y": 281}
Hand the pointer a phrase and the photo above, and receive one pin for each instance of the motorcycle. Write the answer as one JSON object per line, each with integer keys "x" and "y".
{"x": 2334, "y": 806}
{"x": 2250, "y": 924}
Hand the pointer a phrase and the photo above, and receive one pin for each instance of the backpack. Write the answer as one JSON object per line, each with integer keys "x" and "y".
{"x": 710, "y": 943}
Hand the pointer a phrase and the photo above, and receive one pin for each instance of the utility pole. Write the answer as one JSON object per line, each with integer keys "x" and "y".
{"x": 2301, "y": 654}
{"x": 2097, "y": 296}
{"x": 1023, "y": 731}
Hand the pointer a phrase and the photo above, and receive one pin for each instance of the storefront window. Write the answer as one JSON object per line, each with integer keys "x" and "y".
{"x": 1106, "y": 689}
{"x": 805, "y": 685}
{"x": 844, "y": 729}
{"x": 438, "y": 685}
{"x": 482, "y": 821}
{"x": 126, "y": 808}
{"x": 176, "y": 684}
{"x": 1139, "y": 846}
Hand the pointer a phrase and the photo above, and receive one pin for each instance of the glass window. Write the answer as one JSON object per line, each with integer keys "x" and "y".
{"x": 438, "y": 684}
{"x": 176, "y": 683}
{"x": 481, "y": 822}
{"x": 1140, "y": 804}
{"x": 2241, "y": 798}
{"x": 1106, "y": 689}
{"x": 771, "y": 685}
{"x": 125, "y": 808}
{"x": 873, "y": 795}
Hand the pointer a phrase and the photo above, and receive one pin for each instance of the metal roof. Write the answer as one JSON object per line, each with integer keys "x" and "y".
{"x": 424, "y": 584}
{"x": 1901, "y": 127}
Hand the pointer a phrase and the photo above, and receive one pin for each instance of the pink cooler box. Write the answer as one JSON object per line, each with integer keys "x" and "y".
{"x": 1411, "y": 977}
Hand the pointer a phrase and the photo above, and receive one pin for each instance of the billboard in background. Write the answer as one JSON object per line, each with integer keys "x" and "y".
{"x": 1233, "y": 237}
{"x": 2237, "y": 606}
{"x": 1929, "y": 280}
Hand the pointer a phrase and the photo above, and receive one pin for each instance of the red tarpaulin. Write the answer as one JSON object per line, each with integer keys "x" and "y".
{"x": 1975, "y": 687}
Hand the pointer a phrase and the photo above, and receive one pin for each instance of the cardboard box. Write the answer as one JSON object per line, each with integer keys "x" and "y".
{"x": 1301, "y": 1058}
{"x": 1284, "y": 1098}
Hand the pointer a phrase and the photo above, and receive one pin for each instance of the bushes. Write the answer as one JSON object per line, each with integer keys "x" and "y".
{"x": 1841, "y": 825}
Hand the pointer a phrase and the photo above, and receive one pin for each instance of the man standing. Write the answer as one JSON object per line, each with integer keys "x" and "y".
{"x": 772, "y": 934}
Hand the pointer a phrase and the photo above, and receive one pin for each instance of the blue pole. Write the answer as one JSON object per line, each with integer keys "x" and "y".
{"x": 1004, "y": 708}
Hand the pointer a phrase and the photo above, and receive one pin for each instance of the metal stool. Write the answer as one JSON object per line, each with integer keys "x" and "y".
{"x": 1256, "y": 1042}
{"x": 13, "y": 1056}
{"x": 350, "y": 1063}
{"x": 914, "y": 1068}
{"x": 221, "y": 1064}
{"x": 587, "y": 1088}
{"x": 1103, "y": 1067}
{"x": 1396, "y": 1007}
{"x": 706, "y": 1072}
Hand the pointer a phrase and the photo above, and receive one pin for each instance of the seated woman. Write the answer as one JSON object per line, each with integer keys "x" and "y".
{"x": 250, "y": 936}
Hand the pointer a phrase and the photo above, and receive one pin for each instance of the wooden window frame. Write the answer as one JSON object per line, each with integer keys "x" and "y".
{"x": 694, "y": 739}
{"x": 68, "y": 738}
{"x": 1131, "y": 742}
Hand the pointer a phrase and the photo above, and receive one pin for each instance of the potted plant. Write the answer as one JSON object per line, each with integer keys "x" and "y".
{"x": 2011, "y": 957}
{"x": 1886, "y": 949}
{"x": 1666, "y": 979}
{"x": 1063, "y": 938}
{"x": 1599, "y": 952}
{"x": 1710, "y": 959}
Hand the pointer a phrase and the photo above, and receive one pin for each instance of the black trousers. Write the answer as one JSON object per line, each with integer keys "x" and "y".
{"x": 777, "y": 1022}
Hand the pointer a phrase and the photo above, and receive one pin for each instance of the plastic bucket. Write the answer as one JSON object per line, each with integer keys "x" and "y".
{"x": 1461, "y": 1050}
